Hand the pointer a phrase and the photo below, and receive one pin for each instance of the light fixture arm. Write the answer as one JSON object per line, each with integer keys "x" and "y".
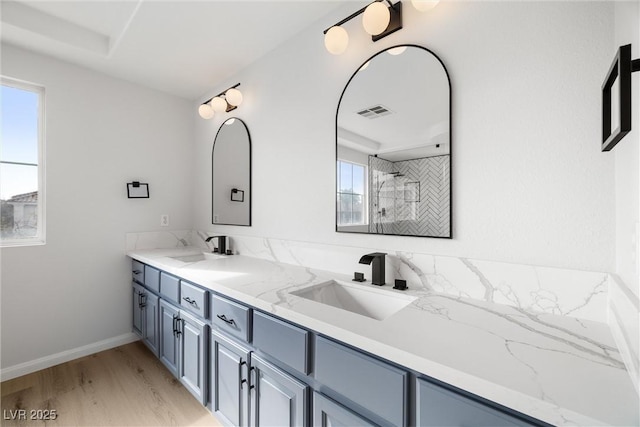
{"x": 395, "y": 23}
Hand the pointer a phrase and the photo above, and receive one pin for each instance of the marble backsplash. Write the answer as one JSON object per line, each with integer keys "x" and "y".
{"x": 579, "y": 294}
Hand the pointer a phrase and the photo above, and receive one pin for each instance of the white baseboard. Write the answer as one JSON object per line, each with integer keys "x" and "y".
{"x": 65, "y": 356}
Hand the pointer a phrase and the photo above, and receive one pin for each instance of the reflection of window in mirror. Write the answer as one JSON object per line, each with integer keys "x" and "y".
{"x": 351, "y": 194}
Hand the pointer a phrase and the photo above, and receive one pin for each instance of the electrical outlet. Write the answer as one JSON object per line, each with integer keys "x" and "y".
{"x": 164, "y": 220}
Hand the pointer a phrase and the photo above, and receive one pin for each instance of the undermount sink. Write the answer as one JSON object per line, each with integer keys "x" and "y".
{"x": 197, "y": 257}
{"x": 367, "y": 301}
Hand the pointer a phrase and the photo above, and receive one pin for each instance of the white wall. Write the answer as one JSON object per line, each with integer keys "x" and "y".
{"x": 627, "y": 157}
{"x": 100, "y": 133}
{"x": 530, "y": 184}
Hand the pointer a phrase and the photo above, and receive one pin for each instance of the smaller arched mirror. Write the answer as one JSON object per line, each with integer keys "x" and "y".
{"x": 231, "y": 174}
{"x": 393, "y": 146}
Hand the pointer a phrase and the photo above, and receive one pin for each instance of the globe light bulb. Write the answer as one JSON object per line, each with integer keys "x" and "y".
{"x": 336, "y": 40}
{"x": 424, "y": 5}
{"x": 219, "y": 105}
{"x": 205, "y": 111}
{"x": 234, "y": 97}
{"x": 376, "y": 18}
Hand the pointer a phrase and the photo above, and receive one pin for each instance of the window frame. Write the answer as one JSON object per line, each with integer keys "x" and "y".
{"x": 40, "y": 237}
{"x": 365, "y": 193}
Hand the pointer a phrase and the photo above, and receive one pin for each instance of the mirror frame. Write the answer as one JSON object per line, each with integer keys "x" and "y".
{"x": 335, "y": 165}
{"x": 250, "y": 174}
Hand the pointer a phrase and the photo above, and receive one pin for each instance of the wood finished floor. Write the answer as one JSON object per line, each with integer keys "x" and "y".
{"x": 124, "y": 386}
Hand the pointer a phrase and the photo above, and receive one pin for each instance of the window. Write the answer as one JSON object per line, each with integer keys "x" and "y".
{"x": 21, "y": 163}
{"x": 351, "y": 195}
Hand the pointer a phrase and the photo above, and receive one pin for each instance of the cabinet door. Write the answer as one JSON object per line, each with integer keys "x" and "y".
{"x": 381, "y": 390}
{"x": 327, "y": 413}
{"x": 277, "y": 399}
{"x": 193, "y": 354}
{"x": 168, "y": 337}
{"x": 438, "y": 406}
{"x": 150, "y": 331}
{"x": 137, "y": 309}
{"x": 229, "y": 388}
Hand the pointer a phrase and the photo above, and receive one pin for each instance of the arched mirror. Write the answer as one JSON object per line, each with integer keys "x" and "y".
{"x": 393, "y": 146}
{"x": 231, "y": 159}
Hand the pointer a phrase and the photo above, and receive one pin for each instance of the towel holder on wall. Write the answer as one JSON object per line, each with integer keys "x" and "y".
{"x": 620, "y": 70}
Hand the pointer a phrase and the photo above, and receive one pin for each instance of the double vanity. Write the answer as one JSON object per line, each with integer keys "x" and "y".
{"x": 265, "y": 343}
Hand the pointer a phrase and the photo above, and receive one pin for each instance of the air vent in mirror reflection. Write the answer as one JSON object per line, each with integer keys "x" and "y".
{"x": 375, "y": 111}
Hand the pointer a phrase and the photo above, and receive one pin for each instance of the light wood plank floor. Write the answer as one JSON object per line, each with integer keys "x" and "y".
{"x": 124, "y": 386}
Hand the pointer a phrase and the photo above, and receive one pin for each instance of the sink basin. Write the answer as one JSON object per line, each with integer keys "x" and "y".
{"x": 197, "y": 257}
{"x": 365, "y": 300}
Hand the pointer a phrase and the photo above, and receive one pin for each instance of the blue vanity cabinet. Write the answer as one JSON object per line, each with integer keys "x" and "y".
{"x": 145, "y": 316}
{"x": 255, "y": 369}
{"x": 327, "y": 413}
{"x": 193, "y": 353}
{"x": 438, "y": 405}
{"x": 169, "y": 339}
{"x": 277, "y": 399}
{"x": 229, "y": 380}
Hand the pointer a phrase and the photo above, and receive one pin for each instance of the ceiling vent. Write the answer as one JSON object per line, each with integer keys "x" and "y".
{"x": 375, "y": 112}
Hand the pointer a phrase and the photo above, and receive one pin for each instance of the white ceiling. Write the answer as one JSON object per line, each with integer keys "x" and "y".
{"x": 178, "y": 46}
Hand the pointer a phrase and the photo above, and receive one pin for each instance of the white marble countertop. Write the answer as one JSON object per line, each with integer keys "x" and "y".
{"x": 561, "y": 370}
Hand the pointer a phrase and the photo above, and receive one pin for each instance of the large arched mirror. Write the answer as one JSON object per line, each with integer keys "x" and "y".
{"x": 393, "y": 146}
{"x": 231, "y": 159}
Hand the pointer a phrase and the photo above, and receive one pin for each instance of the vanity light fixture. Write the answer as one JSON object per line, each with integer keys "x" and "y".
{"x": 378, "y": 19}
{"x": 225, "y": 101}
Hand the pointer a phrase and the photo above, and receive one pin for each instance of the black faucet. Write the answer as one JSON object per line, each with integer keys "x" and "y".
{"x": 222, "y": 243}
{"x": 377, "y": 274}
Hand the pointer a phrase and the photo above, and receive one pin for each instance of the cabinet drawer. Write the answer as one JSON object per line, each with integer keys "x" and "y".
{"x": 194, "y": 299}
{"x": 439, "y": 406}
{"x": 375, "y": 386}
{"x": 152, "y": 278}
{"x": 137, "y": 271}
{"x": 169, "y": 287}
{"x": 231, "y": 317}
{"x": 285, "y": 342}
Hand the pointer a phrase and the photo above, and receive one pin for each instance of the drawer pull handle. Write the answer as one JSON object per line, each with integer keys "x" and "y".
{"x": 136, "y": 272}
{"x": 190, "y": 301}
{"x": 225, "y": 320}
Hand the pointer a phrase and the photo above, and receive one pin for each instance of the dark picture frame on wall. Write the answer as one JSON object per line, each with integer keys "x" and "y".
{"x": 620, "y": 72}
